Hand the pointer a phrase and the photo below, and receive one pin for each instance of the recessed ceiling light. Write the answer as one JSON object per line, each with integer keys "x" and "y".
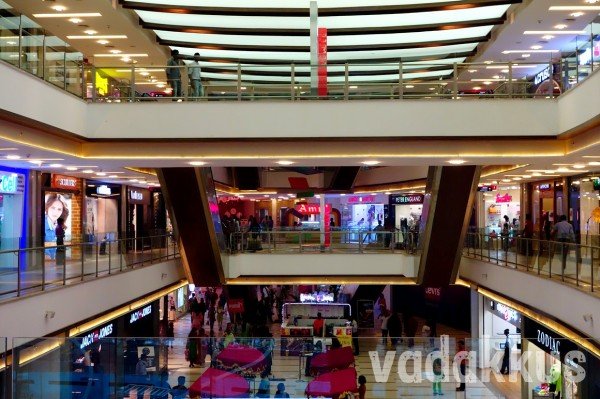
{"x": 35, "y": 162}
{"x": 145, "y": 73}
{"x": 371, "y": 162}
{"x": 115, "y": 51}
{"x": 11, "y": 43}
{"x": 504, "y": 71}
{"x": 13, "y": 157}
{"x": 560, "y": 26}
{"x": 55, "y": 165}
{"x": 283, "y": 162}
{"x": 562, "y": 170}
{"x": 488, "y": 62}
{"x": 506, "y": 180}
{"x": 517, "y": 178}
{"x": 577, "y": 14}
{"x": 409, "y": 86}
{"x": 69, "y": 15}
{"x": 525, "y": 55}
{"x": 87, "y": 171}
{"x": 197, "y": 163}
{"x": 113, "y": 176}
{"x": 59, "y": 8}
{"x": 496, "y": 76}
{"x": 579, "y": 166}
{"x": 76, "y": 20}
{"x": 536, "y": 47}
{"x": 90, "y": 32}
{"x": 126, "y": 59}
{"x": 102, "y": 41}
{"x": 547, "y": 37}
{"x": 456, "y": 161}
{"x": 71, "y": 168}
{"x": 472, "y": 70}
{"x": 594, "y": 163}
{"x": 591, "y": 1}
{"x": 100, "y": 174}
{"x": 477, "y": 88}
{"x": 119, "y": 55}
{"x": 528, "y": 51}
{"x": 79, "y": 37}
{"x": 432, "y": 88}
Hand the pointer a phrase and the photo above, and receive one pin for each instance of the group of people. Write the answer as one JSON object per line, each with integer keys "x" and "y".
{"x": 175, "y": 65}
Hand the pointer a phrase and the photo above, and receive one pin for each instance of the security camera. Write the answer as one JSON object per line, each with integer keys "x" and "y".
{"x": 50, "y": 314}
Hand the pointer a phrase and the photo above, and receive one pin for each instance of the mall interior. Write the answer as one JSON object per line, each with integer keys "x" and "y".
{"x": 305, "y": 199}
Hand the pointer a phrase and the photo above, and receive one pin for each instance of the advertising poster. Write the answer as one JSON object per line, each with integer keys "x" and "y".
{"x": 56, "y": 205}
{"x": 366, "y": 315}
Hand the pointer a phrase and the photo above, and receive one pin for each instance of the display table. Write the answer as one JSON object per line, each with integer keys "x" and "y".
{"x": 241, "y": 359}
{"x": 215, "y": 383}
{"x": 332, "y": 384}
{"x": 295, "y": 340}
{"x": 334, "y": 359}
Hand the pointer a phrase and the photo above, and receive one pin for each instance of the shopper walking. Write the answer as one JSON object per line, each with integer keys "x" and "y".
{"x": 355, "y": 339}
{"x": 462, "y": 351}
{"x": 191, "y": 349}
{"x": 385, "y": 316}
{"x": 60, "y": 242}
{"x": 174, "y": 73}
{"x": 506, "y": 359}
{"x": 394, "y": 328}
{"x": 194, "y": 73}
{"x": 563, "y": 232}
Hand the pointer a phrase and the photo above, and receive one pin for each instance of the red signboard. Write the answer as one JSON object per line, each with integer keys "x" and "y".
{"x": 361, "y": 200}
{"x": 65, "y": 182}
{"x": 308, "y": 209}
{"x": 433, "y": 294}
{"x": 327, "y": 225}
{"x": 503, "y": 198}
{"x": 322, "y": 58}
{"x": 235, "y": 305}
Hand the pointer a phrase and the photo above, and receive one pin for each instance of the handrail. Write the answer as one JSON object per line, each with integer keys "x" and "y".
{"x": 566, "y": 261}
{"x": 311, "y": 241}
{"x": 42, "y": 268}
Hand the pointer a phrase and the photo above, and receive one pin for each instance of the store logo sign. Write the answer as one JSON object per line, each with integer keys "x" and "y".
{"x": 357, "y": 200}
{"x": 509, "y": 314}
{"x": 135, "y": 316}
{"x": 9, "y": 183}
{"x": 545, "y": 187}
{"x": 542, "y": 76}
{"x": 503, "y": 198}
{"x": 308, "y": 209}
{"x": 136, "y": 195}
{"x": 66, "y": 182}
{"x": 103, "y": 190}
{"x": 550, "y": 343}
{"x": 318, "y": 298}
{"x": 407, "y": 199}
{"x": 96, "y": 335}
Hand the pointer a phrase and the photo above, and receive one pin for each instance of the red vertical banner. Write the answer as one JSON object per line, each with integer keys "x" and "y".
{"x": 327, "y": 224}
{"x": 322, "y": 58}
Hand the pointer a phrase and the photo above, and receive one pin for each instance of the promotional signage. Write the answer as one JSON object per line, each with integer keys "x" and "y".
{"x": 542, "y": 76}
{"x": 508, "y": 314}
{"x": 433, "y": 294}
{"x": 65, "y": 182}
{"x": 103, "y": 190}
{"x": 140, "y": 314}
{"x": 487, "y": 188}
{"x": 138, "y": 195}
{"x": 12, "y": 183}
{"x": 317, "y": 298}
{"x": 322, "y": 58}
{"x": 548, "y": 340}
{"x": 545, "y": 186}
{"x": 407, "y": 199}
{"x": 361, "y": 200}
{"x": 97, "y": 335}
{"x": 308, "y": 209}
{"x": 503, "y": 198}
{"x": 235, "y": 305}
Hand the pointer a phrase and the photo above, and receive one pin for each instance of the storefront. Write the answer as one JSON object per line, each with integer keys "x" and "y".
{"x": 497, "y": 318}
{"x": 62, "y": 197}
{"x": 558, "y": 359}
{"x": 12, "y": 200}
{"x": 102, "y": 211}
{"x": 548, "y": 203}
{"x": 584, "y": 209}
{"x": 139, "y": 216}
{"x": 406, "y": 210}
{"x": 363, "y": 212}
{"x": 173, "y": 306}
{"x": 495, "y": 203}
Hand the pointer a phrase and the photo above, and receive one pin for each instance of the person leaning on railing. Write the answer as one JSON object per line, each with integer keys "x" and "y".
{"x": 173, "y": 72}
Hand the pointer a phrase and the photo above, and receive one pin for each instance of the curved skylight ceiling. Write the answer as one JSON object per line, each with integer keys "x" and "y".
{"x": 366, "y": 33}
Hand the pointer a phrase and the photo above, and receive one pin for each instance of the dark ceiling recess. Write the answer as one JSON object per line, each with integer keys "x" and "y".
{"x": 344, "y": 178}
{"x": 246, "y": 178}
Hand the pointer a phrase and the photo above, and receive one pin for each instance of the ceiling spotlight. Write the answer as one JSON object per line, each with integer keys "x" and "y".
{"x": 36, "y": 162}
{"x": 472, "y": 70}
{"x": 547, "y": 37}
{"x": 71, "y": 168}
{"x": 113, "y": 176}
{"x": 197, "y": 163}
{"x": 536, "y": 47}
{"x": 409, "y": 86}
{"x": 145, "y": 73}
{"x": 283, "y": 162}
{"x": 76, "y": 20}
{"x": 477, "y": 88}
{"x": 496, "y": 76}
{"x": 90, "y": 32}
{"x": 102, "y": 41}
{"x": 370, "y": 162}
{"x": 432, "y": 88}
{"x": 488, "y": 62}
{"x": 525, "y": 55}
{"x": 579, "y": 166}
{"x": 13, "y": 157}
{"x": 59, "y": 8}
{"x": 504, "y": 71}
{"x": 577, "y": 14}
{"x": 591, "y": 1}
{"x": 55, "y": 165}
{"x": 87, "y": 171}
{"x": 100, "y": 174}
{"x": 115, "y": 51}
{"x": 594, "y": 163}
{"x": 560, "y": 26}
{"x": 456, "y": 161}
{"x": 126, "y": 59}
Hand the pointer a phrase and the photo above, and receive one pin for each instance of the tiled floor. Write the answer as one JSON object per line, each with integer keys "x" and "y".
{"x": 286, "y": 370}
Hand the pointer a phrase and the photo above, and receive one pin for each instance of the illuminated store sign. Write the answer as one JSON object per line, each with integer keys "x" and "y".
{"x": 407, "y": 199}
{"x": 361, "y": 200}
{"x": 311, "y": 209}
{"x": 12, "y": 183}
{"x": 318, "y": 298}
{"x": 136, "y": 195}
{"x": 140, "y": 314}
{"x": 542, "y": 76}
{"x": 545, "y": 187}
{"x": 487, "y": 187}
{"x": 503, "y": 198}
{"x": 97, "y": 335}
{"x": 103, "y": 190}
{"x": 66, "y": 182}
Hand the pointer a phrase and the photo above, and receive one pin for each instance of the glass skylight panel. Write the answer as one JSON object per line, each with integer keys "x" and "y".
{"x": 349, "y": 40}
{"x": 354, "y": 21}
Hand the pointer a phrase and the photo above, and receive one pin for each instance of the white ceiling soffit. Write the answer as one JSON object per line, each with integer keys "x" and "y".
{"x": 287, "y": 3}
